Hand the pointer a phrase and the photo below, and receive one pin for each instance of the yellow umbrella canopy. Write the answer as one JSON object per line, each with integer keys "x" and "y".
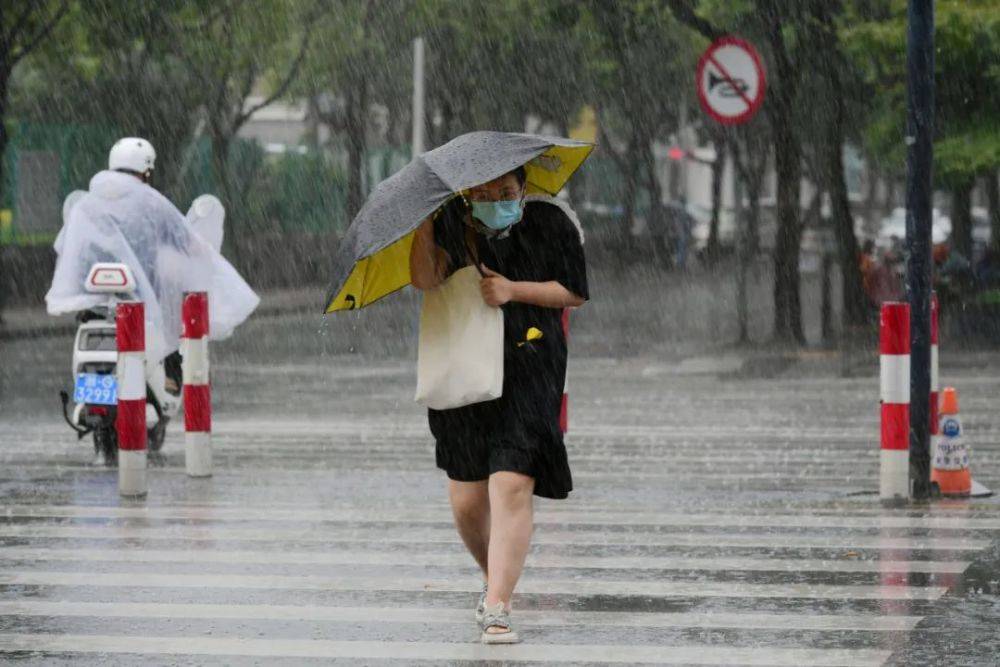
{"x": 373, "y": 258}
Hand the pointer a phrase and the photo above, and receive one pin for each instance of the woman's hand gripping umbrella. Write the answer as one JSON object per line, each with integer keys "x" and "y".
{"x": 373, "y": 258}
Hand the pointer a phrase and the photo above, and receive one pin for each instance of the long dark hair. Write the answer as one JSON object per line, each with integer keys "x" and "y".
{"x": 521, "y": 174}
{"x": 453, "y": 211}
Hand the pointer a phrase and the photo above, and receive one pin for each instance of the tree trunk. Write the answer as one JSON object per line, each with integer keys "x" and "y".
{"x": 749, "y": 177}
{"x": 658, "y": 225}
{"x": 712, "y": 247}
{"x": 787, "y": 306}
{"x": 743, "y": 253}
{"x": 754, "y": 182}
{"x": 4, "y": 79}
{"x": 787, "y": 163}
{"x": 236, "y": 219}
{"x": 220, "y": 164}
{"x": 993, "y": 200}
{"x": 631, "y": 186}
{"x": 853, "y": 294}
{"x": 357, "y": 104}
{"x": 871, "y": 201}
{"x": 631, "y": 176}
{"x": 4, "y": 278}
{"x": 961, "y": 219}
{"x": 439, "y": 132}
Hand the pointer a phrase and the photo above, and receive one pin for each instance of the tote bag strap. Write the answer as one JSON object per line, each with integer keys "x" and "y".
{"x": 468, "y": 253}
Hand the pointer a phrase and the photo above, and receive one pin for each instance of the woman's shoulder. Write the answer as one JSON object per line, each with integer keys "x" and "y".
{"x": 552, "y": 215}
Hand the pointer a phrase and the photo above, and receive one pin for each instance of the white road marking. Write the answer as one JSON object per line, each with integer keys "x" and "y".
{"x": 530, "y": 585}
{"x": 862, "y": 479}
{"x": 315, "y": 648}
{"x": 411, "y": 516}
{"x": 242, "y": 557}
{"x": 323, "y": 534}
{"x": 859, "y": 508}
{"x": 751, "y": 621}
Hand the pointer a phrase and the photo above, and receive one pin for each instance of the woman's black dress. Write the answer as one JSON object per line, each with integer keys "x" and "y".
{"x": 518, "y": 432}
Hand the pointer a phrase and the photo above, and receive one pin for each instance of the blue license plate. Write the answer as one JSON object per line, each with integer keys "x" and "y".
{"x": 96, "y": 389}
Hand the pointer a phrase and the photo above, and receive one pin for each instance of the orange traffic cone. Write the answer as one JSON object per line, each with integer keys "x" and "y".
{"x": 950, "y": 470}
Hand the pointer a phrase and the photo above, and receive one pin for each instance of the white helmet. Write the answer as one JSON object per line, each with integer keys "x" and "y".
{"x": 132, "y": 154}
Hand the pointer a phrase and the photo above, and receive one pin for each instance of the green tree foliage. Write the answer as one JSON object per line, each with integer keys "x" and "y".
{"x": 967, "y": 94}
{"x": 967, "y": 86}
{"x": 24, "y": 28}
{"x": 228, "y": 49}
{"x": 180, "y": 70}
{"x": 360, "y": 58}
{"x": 120, "y": 74}
{"x": 782, "y": 30}
{"x": 638, "y": 91}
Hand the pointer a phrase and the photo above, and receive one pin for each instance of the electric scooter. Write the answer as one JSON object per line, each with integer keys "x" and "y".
{"x": 95, "y": 361}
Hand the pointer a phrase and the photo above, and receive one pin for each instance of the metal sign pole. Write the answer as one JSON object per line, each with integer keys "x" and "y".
{"x": 418, "y": 97}
{"x": 743, "y": 251}
{"x": 919, "y": 193}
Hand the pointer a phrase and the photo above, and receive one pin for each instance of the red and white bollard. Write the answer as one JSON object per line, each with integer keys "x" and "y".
{"x": 197, "y": 391}
{"x": 564, "y": 408}
{"x": 130, "y": 421}
{"x": 894, "y": 348}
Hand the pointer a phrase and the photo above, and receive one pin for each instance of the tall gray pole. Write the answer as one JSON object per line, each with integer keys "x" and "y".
{"x": 686, "y": 147}
{"x": 417, "y": 144}
{"x": 743, "y": 252}
{"x": 919, "y": 192}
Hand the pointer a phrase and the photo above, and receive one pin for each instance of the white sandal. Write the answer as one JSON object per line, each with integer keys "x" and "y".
{"x": 497, "y": 616}
{"x": 481, "y": 607}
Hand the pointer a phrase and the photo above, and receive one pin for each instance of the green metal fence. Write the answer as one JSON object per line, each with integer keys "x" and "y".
{"x": 42, "y": 164}
{"x": 292, "y": 192}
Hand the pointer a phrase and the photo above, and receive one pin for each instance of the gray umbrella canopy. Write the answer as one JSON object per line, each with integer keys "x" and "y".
{"x": 373, "y": 258}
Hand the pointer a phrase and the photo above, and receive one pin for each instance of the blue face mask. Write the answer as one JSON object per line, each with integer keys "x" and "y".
{"x": 497, "y": 215}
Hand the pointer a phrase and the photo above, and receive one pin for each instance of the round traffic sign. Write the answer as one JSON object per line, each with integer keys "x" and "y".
{"x": 731, "y": 80}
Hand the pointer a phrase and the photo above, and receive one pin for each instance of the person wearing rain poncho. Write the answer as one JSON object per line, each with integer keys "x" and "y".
{"x": 498, "y": 453}
{"x": 123, "y": 219}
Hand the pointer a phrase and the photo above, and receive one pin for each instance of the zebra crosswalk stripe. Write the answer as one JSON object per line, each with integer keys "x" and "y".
{"x": 530, "y": 585}
{"x": 418, "y": 515}
{"x": 461, "y": 560}
{"x": 767, "y": 608}
{"x": 530, "y": 618}
{"x": 580, "y": 537}
{"x": 315, "y": 648}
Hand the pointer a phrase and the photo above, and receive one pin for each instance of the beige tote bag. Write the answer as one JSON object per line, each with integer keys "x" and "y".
{"x": 460, "y": 356}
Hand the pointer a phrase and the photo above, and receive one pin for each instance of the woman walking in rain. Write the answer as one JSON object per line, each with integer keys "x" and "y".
{"x": 456, "y": 222}
{"x": 498, "y": 454}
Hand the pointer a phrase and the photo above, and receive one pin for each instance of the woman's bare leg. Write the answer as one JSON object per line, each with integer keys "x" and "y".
{"x": 511, "y": 524}
{"x": 470, "y": 504}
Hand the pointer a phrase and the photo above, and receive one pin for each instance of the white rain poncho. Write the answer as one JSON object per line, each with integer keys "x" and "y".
{"x": 121, "y": 219}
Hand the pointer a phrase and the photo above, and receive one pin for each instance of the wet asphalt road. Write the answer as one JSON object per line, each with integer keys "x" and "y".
{"x": 719, "y": 518}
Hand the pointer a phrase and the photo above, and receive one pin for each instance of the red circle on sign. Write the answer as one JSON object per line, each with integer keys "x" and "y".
{"x": 752, "y": 104}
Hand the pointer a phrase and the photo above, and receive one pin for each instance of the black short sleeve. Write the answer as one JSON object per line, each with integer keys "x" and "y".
{"x": 449, "y": 234}
{"x": 564, "y": 258}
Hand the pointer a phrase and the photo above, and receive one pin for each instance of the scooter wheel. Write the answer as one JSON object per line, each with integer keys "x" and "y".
{"x": 156, "y": 436}
{"x": 106, "y": 445}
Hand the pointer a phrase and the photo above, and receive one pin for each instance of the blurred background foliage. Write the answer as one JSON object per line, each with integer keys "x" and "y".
{"x": 194, "y": 76}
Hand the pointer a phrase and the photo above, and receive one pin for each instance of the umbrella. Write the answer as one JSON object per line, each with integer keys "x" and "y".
{"x": 373, "y": 258}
